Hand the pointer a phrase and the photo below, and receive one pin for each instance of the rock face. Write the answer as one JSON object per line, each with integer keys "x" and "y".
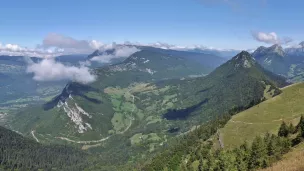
{"x": 272, "y": 58}
{"x": 244, "y": 60}
{"x": 288, "y": 62}
{"x": 76, "y": 114}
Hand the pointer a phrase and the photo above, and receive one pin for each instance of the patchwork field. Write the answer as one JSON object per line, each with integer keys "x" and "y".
{"x": 265, "y": 117}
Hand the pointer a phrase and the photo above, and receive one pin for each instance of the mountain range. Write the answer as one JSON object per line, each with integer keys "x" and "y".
{"x": 130, "y": 111}
{"x": 287, "y": 62}
{"x": 13, "y": 71}
{"x": 140, "y": 105}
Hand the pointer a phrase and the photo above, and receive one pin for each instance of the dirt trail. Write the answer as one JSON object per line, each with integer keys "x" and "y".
{"x": 276, "y": 120}
{"x": 84, "y": 142}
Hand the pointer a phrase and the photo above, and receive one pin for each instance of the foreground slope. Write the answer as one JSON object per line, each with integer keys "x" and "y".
{"x": 292, "y": 161}
{"x": 123, "y": 119}
{"x": 265, "y": 117}
{"x": 18, "y": 152}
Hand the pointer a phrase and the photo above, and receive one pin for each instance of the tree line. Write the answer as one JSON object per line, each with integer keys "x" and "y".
{"x": 200, "y": 155}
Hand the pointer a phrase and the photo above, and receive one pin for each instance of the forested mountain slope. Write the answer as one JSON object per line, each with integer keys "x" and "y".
{"x": 17, "y": 152}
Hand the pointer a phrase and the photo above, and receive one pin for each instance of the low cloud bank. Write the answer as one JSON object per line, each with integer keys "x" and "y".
{"x": 50, "y": 70}
{"x": 16, "y": 50}
{"x": 55, "y": 44}
{"x": 118, "y": 52}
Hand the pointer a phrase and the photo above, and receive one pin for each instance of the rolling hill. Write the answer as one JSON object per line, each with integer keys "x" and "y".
{"x": 121, "y": 115}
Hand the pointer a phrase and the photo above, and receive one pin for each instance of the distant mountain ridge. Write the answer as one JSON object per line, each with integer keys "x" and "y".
{"x": 13, "y": 69}
{"x": 206, "y": 59}
{"x": 296, "y": 51}
{"x": 272, "y": 58}
{"x": 288, "y": 62}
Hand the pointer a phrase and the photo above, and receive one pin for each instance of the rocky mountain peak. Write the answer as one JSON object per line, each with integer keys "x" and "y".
{"x": 243, "y": 59}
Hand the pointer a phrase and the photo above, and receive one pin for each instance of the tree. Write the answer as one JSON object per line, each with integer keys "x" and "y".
{"x": 297, "y": 140}
{"x": 291, "y": 128}
{"x": 227, "y": 160}
{"x": 283, "y": 131}
{"x": 258, "y": 156}
{"x": 285, "y": 145}
{"x": 273, "y": 149}
{"x": 242, "y": 159}
{"x": 300, "y": 126}
{"x": 201, "y": 166}
{"x": 184, "y": 167}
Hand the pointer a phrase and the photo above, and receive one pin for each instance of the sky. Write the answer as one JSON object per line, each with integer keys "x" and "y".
{"x": 80, "y": 26}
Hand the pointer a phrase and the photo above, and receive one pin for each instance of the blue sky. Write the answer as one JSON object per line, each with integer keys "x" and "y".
{"x": 216, "y": 23}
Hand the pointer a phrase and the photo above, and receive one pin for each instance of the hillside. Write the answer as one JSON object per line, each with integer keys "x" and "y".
{"x": 258, "y": 137}
{"x": 21, "y": 153}
{"x": 292, "y": 161}
{"x": 265, "y": 117}
{"x": 112, "y": 114}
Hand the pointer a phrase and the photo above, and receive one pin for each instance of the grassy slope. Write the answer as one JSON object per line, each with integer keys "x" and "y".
{"x": 265, "y": 117}
{"x": 292, "y": 161}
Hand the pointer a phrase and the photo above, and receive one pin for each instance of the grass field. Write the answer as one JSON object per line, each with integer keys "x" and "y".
{"x": 265, "y": 117}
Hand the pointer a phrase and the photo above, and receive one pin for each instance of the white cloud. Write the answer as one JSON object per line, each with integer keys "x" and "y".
{"x": 56, "y": 44}
{"x": 50, "y": 70}
{"x": 119, "y": 51}
{"x": 270, "y": 38}
{"x": 53, "y": 45}
{"x": 125, "y": 51}
{"x": 13, "y": 47}
{"x": 95, "y": 44}
{"x": 16, "y": 50}
{"x": 69, "y": 44}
